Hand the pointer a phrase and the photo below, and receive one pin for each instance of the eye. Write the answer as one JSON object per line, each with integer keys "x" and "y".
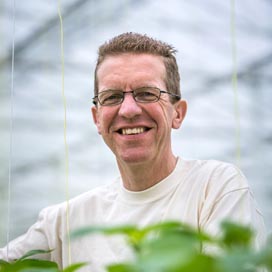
{"x": 147, "y": 94}
{"x": 110, "y": 97}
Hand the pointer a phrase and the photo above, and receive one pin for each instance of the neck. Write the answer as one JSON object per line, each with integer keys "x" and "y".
{"x": 141, "y": 176}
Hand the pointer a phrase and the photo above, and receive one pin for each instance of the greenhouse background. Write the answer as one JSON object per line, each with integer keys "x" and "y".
{"x": 220, "y": 116}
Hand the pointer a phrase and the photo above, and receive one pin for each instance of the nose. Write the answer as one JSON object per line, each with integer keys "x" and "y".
{"x": 129, "y": 107}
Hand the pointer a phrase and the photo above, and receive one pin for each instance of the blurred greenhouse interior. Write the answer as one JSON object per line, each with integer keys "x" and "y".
{"x": 32, "y": 154}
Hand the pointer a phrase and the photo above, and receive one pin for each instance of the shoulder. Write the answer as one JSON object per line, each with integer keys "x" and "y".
{"x": 211, "y": 166}
{"x": 215, "y": 176}
{"x": 94, "y": 199}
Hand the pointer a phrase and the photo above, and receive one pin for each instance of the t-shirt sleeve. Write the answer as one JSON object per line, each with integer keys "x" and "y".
{"x": 228, "y": 197}
{"x": 38, "y": 236}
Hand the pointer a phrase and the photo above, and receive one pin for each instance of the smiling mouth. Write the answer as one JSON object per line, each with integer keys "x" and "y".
{"x": 132, "y": 131}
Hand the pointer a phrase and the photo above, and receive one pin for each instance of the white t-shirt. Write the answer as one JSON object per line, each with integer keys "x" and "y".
{"x": 201, "y": 193}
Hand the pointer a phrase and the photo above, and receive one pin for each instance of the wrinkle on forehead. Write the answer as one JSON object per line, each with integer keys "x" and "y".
{"x": 131, "y": 71}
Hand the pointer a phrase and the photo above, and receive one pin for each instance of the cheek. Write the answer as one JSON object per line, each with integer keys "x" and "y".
{"x": 95, "y": 116}
{"x": 105, "y": 121}
{"x": 166, "y": 116}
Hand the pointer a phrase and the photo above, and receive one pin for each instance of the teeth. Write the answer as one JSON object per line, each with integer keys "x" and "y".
{"x": 129, "y": 131}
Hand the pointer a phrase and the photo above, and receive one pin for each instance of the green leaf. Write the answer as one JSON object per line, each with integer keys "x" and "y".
{"x": 122, "y": 268}
{"x": 183, "y": 229}
{"x": 74, "y": 267}
{"x": 132, "y": 233}
{"x": 199, "y": 263}
{"x": 34, "y": 265}
{"x": 166, "y": 252}
{"x": 34, "y": 252}
{"x": 3, "y": 265}
{"x": 236, "y": 235}
{"x": 168, "y": 225}
{"x": 38, "y": 270}
{"x": 127, "y": 230}
{"x": 29, "y": 265}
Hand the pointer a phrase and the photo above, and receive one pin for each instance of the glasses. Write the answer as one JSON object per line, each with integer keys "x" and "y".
{"x": 141, "y": 95}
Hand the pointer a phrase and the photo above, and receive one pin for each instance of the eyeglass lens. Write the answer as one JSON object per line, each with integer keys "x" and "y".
{"x": 144, "y": 95}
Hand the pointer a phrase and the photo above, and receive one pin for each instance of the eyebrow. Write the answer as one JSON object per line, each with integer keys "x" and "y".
{"x": 132, "y": 89}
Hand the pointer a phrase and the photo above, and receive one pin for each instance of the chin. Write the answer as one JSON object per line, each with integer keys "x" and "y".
{"x": 134, "y": 158}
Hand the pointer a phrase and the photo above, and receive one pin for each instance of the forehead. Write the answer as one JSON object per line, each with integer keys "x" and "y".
{"x": 130, "y": 69}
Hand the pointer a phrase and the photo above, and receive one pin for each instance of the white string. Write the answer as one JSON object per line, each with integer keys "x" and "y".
{"x": 234, "y": 83}
{"x": 65, "y": 135}
{"x": 11, "y": 126}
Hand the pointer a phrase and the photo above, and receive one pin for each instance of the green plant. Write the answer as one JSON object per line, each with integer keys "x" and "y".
{"x": 27, "y": 264}
{"x": 177, "y": 247}
{"x": 169, "y": 247}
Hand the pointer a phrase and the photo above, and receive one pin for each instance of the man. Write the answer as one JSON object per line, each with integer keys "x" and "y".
{"x": 137, "y": 104}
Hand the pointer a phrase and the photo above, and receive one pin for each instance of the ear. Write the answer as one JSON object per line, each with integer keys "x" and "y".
{"x": 96, "y": 121}
{"x": 180, "y": 113}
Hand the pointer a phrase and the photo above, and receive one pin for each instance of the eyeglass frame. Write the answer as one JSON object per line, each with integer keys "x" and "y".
{"x": 96, "y": 99}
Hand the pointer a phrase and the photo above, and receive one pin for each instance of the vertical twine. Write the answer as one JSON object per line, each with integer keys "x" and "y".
{"x": 234, "y": 84}
{"x": 65, "y": 135}
{"x": 11, "y": 127}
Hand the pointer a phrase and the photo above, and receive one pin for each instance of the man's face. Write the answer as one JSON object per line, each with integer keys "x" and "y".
{"x": 136, "y": 132}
